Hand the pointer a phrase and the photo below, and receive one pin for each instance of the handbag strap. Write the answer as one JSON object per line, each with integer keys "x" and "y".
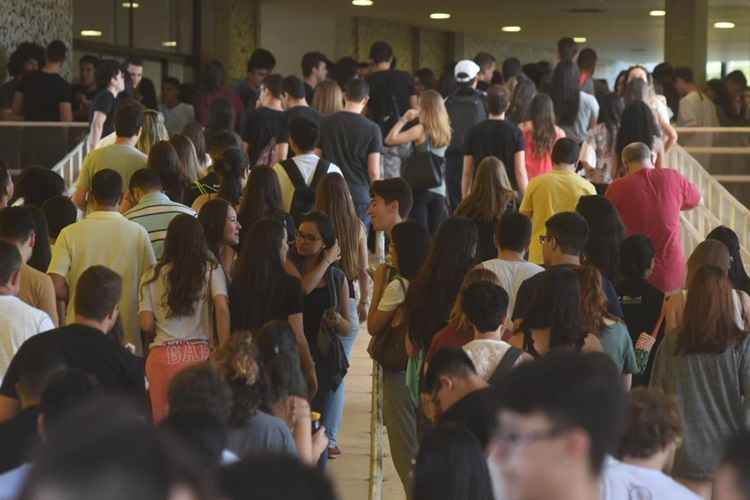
{"x": 333, "y": 289}
{"x": 657, "y": 329}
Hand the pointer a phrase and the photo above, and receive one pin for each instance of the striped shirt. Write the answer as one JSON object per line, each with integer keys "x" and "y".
{"x": 154, "y": 212}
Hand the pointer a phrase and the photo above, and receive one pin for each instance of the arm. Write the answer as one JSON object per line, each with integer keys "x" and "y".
{"x": 282, "y": 151}
{"x": 627, "y": 380}
{"x": 148, "y": 327}
{"x": 61, "y": 287}
{"x": 522, "y": 178}
{"x": 66, "y": 112}
{"x": 670, "y": 134}
{"x": 363, "y": 280}
{"x": 308, "y": 365}
{"x": 377, "y": 320}
{"x": 9, "y": 408}
{"x": 413, "y": 101}
{"x": 48, "y": 303}
{"x": 97, "y": 126}
{"x": 221, "y": 307}
{"x": 468, "y": 176}
{"x": 344, "y": 319}
{"x": 18, "y": 104}
{"x": 373, "y": 166}
{"x": 396, "y": 137}
{"x": 309, "y": 446}
{"x": 311, "y": 278}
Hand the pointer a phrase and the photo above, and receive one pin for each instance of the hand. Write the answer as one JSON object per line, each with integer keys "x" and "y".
{"x": 362, "y": 310}
{"x": 319, "y": 442}
{"x": 333, "y": 319}
{"x": 411, "y": 114}
{"x": 331, "y": 255}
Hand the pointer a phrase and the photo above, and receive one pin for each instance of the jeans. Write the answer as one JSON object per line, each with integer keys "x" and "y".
{"x": 454, "y": 170}
{"x": 399, "y": 416}
{"x": 429, "y": 210}
{"x": 334, "y": 406}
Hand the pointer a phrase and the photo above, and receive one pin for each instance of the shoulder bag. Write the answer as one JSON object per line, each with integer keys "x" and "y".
{"x": 388, "y": 347}
{"x": 422, "y": 169}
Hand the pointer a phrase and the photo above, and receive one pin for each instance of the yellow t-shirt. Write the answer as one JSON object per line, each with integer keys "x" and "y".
{"x": 551, "y": 193}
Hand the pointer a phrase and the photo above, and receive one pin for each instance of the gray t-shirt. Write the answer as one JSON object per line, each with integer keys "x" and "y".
{"x": 262, "y": 434}
{"x": 711, "y": 392}
{"x": 588, "y": 109}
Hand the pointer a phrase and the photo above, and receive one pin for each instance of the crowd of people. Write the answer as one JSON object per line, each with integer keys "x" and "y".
{"x": 540, "y": 332}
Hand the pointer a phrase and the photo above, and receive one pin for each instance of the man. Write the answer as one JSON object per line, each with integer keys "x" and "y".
{"x": 25, "y": 60}
{"x": 512, "y": 238}
{"x": 260, "y": 64}
{"x": 18, "y": 320}
{"x": 354, "y": 143}
{"x": 85, "y": 90}
{"x": 304, "y": 135}
{"x": 85, "y": 344}
{"x": 696, "y": 109}
{"x": 497, "y": 137}
{"x": 36, "y": 289}
{"x": 511, "y": 69}
{"x": 553, "y": 192}
{"x": 487, "y": 66}
{"x": 651, "y": 437}
{"x": 732, "y": 480}
{"x": 153, "y": 209}
{"x": 314, "y": 71}
{"x": 177, "y": 114}
{"x": 134, "y": 67}
{"x": 567, "y": 233}
{"x": 392, "y": 93}
{"x": 587, "y": 65}
{"x": 111, "y": 82}
{"x": 566, "y": 49}
{"x": 266, "y": 130}
{"x": 560, "y": 416}
{"x": 649, "y": 201}
{"x": 294, "y": 100}
{"x": 103, "y": 238}
{"x": 391, "y": 203}
{"x": 45, "y": 96}
{"x": 142, "y": 89}
{"x": 122, "y": 156}
{"x": 466, "y": 108}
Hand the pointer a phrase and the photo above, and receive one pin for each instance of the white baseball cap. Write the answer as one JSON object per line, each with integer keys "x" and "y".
{"x": 466, "y": 70}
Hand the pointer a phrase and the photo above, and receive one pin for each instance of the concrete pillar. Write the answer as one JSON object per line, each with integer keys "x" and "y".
{"x": 686, "y": 35}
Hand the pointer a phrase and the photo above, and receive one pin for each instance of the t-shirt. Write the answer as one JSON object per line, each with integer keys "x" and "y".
{"x": 347, "y": 139}
{"x": 122, "y": 158}
{"x": 18, "y": 435}
{"x": 247, "y": 95}
{"x": 588, "y": 110}
{"x": 394, "y": 294}
{"x": 641, "y": 303}
{"x": 262, "y": 434}
{"x": 541, "y": 164}
{"x": 306, "y": 112}
{"x": 12, "y": 481}
{"x": 511, "y": 274}
{"x": 7, "y": 90}
{"x": 287, "y": 302}
{"x": 621, "y": 481}
{"x": 197, "y": 326}
{"x": 42, "y": 95}
{"x": 38, "y": 291}
{"x": 154, "y": 212}
{"x": 449, "y": 336}
{"x": 477, "y": 412}
{"x": 105, "y": 102}
{"x": 551, "y": 193}
{"x": 499, "y": 138}
{"x": 486, "y": 355}
{"x": 309, "y": 93}
{"x": 390, "y": 93}
{"x": 306, "y": 164}
{"x": 83, "y": 348}
{"x": 18, "y": 323}
{"x": 264, "y": 127}
{"x": 649, "y": 202}
{"x": 203, "y": 104}
{"x": 617, "y": 344}
{"x": 178, "y": 117}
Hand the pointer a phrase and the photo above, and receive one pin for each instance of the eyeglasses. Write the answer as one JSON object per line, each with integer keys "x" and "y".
{"x": 310, "y": 238}
{"x": 516, "y": 439}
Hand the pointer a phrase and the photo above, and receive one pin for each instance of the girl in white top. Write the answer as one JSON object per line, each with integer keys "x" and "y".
{"x": 657, "y": 103}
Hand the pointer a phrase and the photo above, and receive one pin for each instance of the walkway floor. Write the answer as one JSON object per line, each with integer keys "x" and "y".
{"x": 351, "y": 471}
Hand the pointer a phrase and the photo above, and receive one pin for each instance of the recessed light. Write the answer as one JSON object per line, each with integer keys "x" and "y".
{"x": 362, "y": 3}
{"x": 724, "y": 25}
{"x": 170, "y": 43}
{"x": 657, "y": 13}
{"x": 511, "y": 29}
{"x": 579, "y": 39}
{"x": 440, "y": 15}
{"x": 91, "y": 33}
{"x": 131, "y": 5}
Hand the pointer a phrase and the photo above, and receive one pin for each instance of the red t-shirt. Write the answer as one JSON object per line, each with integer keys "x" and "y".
{"x": 649, "y": 202}
{"x": 448, "y": 337}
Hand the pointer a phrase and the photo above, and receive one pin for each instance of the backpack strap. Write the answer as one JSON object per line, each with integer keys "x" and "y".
{"x": 506, "y": 365}
{"x": 321, "y": 170}
{"x": 292, "y": 170}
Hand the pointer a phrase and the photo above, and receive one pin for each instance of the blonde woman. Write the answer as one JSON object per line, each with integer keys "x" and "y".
{"x": 432, "y": 133}
{"x": 188, "y": 157}
{"x": 153, "y": 131}
{"x": 328, "y": 98}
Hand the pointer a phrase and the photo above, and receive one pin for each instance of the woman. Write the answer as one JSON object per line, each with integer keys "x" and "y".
{"x": 262, "y": 199}
{"x": 153, "y": 131}
{"x": 232, "y": 169}
{"x": 606, "y": 232}
{"x": 706, "y": 365}
{"x": 524, "y": 92}
{"x": 266, "y": 128}
{"x": 637, "y": 125}
{"x": 185, "y": 149}
{"x": 60, "y": 212}
{"x": 253, "y": 431}
{"x": 183, "y": 306}
{"x": 620, "y": 82}
{"x": 163, "y": 158}
{"x": 42, "y": 252}
{"x": 194, "y": 132}
{"x": 37, "y": 185}
{"x": 328, "y": 98}
{"x": 657, "y": 103}
{"x": 409, "y": 246}
{"x": 540, "y": 134}
{"x": 737, "y": 273}
{"x": 332, "y": 198}
{"x": 491, "y": 197}
{"x": 432, "y": 133}
{"x": 262, "y": 291}
{"x": 576, "y": 111}
{"x": 597, "y": 153}
{"x": 222, "y": 231}
{"x": 212, "y": 87}
{"x": 451, "y": 465}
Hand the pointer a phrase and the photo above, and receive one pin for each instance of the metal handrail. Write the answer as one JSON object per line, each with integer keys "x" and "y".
{"x": 21, "y": 124}
{"x": 376, "y": 435}
{"x": 713, "y": 130}
{"x": 69, "y": 167}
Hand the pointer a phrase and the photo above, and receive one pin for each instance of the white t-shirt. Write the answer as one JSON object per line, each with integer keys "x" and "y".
{"x": 622, "y": 481}
{"x": 18, "y": 322}
{"x": 394, "y": 295}
{"x": 153, "y": 298}
{"x": 511, "y": 274}
{"x": 175, "y": 119}
{"x": 306, "y": 164}
{"x": 486, "y": 354}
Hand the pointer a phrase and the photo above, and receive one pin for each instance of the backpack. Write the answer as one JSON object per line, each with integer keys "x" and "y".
{"x": 505, "y": 366}
{"x": 465, "y": 111}
{"x": 303, "y": 199}
{"x": 268, "y": 155}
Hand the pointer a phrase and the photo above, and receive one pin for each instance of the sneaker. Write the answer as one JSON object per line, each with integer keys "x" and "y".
{"x": 333, "y": 452}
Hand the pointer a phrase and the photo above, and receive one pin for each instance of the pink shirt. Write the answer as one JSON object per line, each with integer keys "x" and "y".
{"x": 537, "y": 165}
{"x": 649, "y": 202}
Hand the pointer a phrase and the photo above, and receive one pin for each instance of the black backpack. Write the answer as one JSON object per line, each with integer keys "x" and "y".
{"x": 505, "y": 366}
{"x": 303, "y": 199}
{"x": 465, "y": 111}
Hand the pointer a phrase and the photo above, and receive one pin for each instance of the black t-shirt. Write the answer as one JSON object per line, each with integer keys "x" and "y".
{"x": 79, "y": 92}
{"x": 7, "y": 90}
{"x": 306, "y": 112}
{"x": 477, "y": 412}
{"x": 287, "y": 300}
{"x": 86, "y": 349}
{"x": 18, "y": 435}
{"x": 532, "y": 287}
{"x": 309, "y": 93}
{"x": 390, "y": 93}
{"x": 262, "y": 127}
{"x": 499, "y": 138}
{"x": 641, "y": 303}
{"x": 42, "y": 95}
{"x": 105, "y": 102}
{"x": 347, "y": 139}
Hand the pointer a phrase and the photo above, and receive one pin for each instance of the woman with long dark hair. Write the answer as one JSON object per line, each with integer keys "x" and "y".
{"x": 656, "y": 102}
{"x": 222, "y": 230}
{"x": 737, "y": 274}
{"x": 232, "y": 169}
{"x": 164, "y": 159}
{"x": 576, "y": 111}
{"x": 637, "y": 125}
{"x": 598, "y": 152}
{"x": 194, "y": 131}
{"x": 706, "y": 365}
{"x": 520, "y": 102}
{"x": 212, "y": 86}
{"x": 183, "y": 306}
{"x": 606, "y": 232}
{"x": 539, "y": 135}
{"x": 37, "y": 185}
{"x": 261, "y": 199}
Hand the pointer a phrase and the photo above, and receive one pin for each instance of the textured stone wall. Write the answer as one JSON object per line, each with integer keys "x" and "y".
{"x": 40, "y": 21}
{"x": 242, "y": 30}
{"x": 400, "y": 37}
{"x": 434, "y": 50}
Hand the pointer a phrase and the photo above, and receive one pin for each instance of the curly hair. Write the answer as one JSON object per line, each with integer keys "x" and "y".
{"x": 237, "y": 361}
{"x": 654, "y": 423}
{"x": 593, "y": 300}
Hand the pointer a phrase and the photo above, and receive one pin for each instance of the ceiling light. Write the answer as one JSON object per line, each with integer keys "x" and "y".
{"x": 579, "y": 39}
{"x": 362, "y": 3}
{"x": 511, "y": 29}
{"x": 170, "y": 43}
{"x": 91, "y": 33}
{"x": 131, "y": 5}
{"x": 440, "y": 15}
{"x": 657, "y": 13}
{"x": 724, "y": 25}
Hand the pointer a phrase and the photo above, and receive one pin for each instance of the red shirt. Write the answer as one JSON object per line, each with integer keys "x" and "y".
{"x": 649, "y": 202}
{"x": 448, "y": 337}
